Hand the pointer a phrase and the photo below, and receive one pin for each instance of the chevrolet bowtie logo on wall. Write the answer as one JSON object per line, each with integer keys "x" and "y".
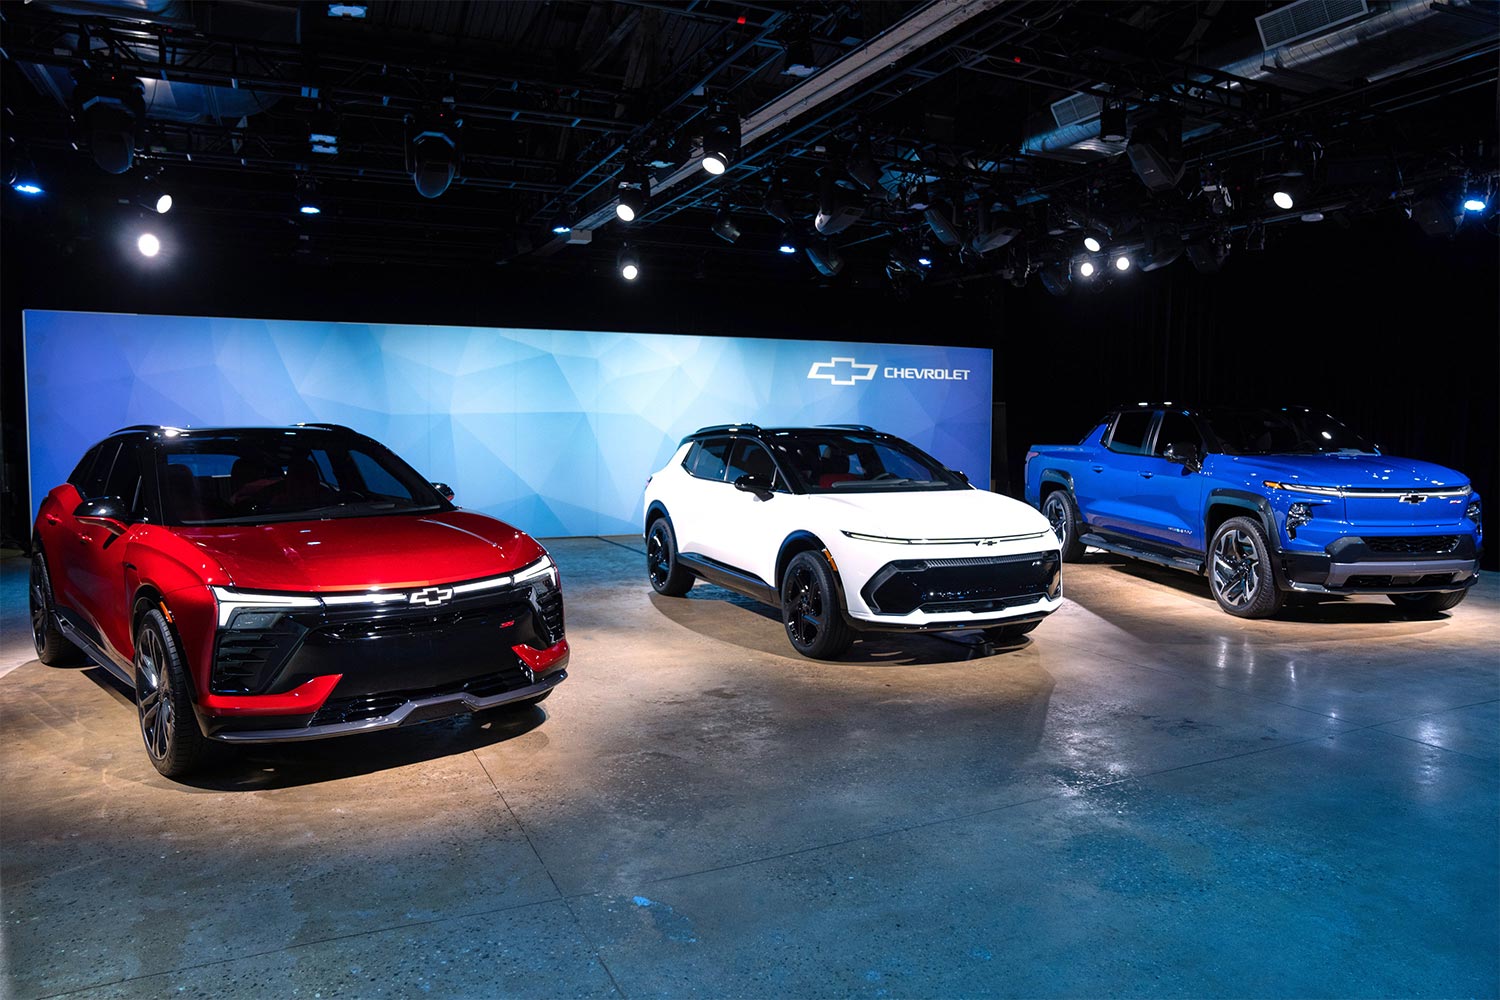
{"x": 433, "y": 596}
{"x": 842, "y": 371}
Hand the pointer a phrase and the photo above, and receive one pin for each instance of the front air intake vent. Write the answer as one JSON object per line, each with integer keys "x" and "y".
{"x": 1076, "y": 109}
{"x": 1306, "y": 18}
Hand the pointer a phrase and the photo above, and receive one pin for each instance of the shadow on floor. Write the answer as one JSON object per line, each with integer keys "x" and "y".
{"x": 1310, "y": 609}
{"x": 724, "y": 616}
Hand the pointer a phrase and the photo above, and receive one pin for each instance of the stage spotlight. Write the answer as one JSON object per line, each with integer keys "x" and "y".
{"x": 800, "y": 59}
{"x": 160, "y": 202}
{"x": 1475, "y": 203}
{"x": 1091, "y": 243}
{"x": 775, "y": 203}
{"x": 27, "y": 186}
{"x": 307, "y": 196}
{"x": 724, "y": 226}
{"x": 1056, "y": 280}
{"x": 825, "y": 258}
{"x": 1284, "y": 191}
{"x": 1086, "y": 269}
{"x": 111, "y": 108}
{"x": 148, "y": 245}
{"x": 1154, "y": 155}
{"x": 629, "y": 263}
{"x": 838, "y": 209}
{"x": 432, "y": 151}
{"x": 991, "y": 232}
{"x": 788, "y": 241}
{"x": 1122, "y": 263}
{"x": 940, "y": 221}
{"x": 1207, "y": 254}
{"x": 561, "y": 228}
{"x": 1113, "y": 121}
{"x": 862, "y": 168}
{"x": 721, "y": 138}
{"x": 1436, "y": 216}
{"x": 924, "y": 260}
{"x": 635, "y": 189}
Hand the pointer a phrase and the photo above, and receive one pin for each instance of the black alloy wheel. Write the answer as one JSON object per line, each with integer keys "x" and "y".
{"x": 1240, "y": 573}
{"x": 810, "y": 608}
{"x": 668, "y": 577}
{"x": 168, "y": 726}
{"x": 52, "y": 647}
{"x": 1062, "y": 514}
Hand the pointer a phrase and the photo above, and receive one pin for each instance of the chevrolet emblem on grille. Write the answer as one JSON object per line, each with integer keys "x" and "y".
{"x": 1414, "y": 498}
{"x": 433, "y": 596}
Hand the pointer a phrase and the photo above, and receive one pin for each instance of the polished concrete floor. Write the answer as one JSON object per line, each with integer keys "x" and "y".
{"x": 1148, "y": 798}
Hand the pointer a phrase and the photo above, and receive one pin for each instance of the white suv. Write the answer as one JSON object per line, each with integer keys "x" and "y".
{"x": 847, "y": 529}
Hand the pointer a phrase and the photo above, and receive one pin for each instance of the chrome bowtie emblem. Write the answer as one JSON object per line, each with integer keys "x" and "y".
{"x": 988, "y": 541}
{"x": 1414, "y": 498}
{"x": 433, "y": 596}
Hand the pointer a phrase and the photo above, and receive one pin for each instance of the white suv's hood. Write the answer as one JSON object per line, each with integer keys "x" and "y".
{"x": 931, "y": 514}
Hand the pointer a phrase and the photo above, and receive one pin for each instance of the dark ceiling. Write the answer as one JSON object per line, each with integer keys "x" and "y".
{"x": 927, "y": 130}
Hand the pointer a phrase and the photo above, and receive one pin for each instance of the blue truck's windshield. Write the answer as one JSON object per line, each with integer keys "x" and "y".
{"x": 1283, "y": 432}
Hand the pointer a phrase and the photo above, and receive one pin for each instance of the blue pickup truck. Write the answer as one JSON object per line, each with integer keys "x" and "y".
{"x": 1265, "y": 503}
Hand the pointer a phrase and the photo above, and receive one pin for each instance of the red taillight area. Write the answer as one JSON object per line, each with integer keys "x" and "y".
{"x": 304, "y": 699}
{"x": 541, "y": 660}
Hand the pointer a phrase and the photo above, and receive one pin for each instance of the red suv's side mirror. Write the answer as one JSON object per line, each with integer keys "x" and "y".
{"x": 444, "y": 490}
{"x": 107, "y": 512}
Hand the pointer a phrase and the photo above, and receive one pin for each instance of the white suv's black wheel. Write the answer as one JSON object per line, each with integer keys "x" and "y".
{"x": 667, "y": 576}
{"x": 810, "y": 608}
{"x": 52, "y": 647}
{"x": 1062, "y": 514}
{"x": 1240, "y": 572}
{"x": 163, "y": 701}
{"x": 1422, "y": 604}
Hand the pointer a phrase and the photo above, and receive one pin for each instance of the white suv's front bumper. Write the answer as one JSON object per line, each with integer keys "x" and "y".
{"x": 950, "y": 586}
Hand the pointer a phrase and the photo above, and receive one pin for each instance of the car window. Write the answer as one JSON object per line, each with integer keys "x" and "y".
{"x": 125, "y": 480}
{"x": 712, "y": 458}
{"x": 1129, "y": 437}
{"x": 253, "y": 477}
{"x": 1176, "y": 428}
{"x": 90, "y": 482}
{"x": 751, "y": 459}
{"x": 835, "y": 461}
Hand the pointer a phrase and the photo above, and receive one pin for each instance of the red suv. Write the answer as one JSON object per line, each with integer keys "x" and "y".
{"x": 257, "y": 585}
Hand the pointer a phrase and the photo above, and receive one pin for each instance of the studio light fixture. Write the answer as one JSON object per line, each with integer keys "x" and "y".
{"x": 775, "y": 205}
{"x": 1285, "y": 191}
{"x": 561, "y": 228}
{"x": 939, "y": 218}
{"x": 635, "y": 189}
{"x": 1112, "y": 121}
{"x": 154, "y": 198}
{"x": 827, "y": 260}
{"x": 26, "y": 183}
{"x": 801, "y": 61}
{"x": 1155, "y": 155}
{"x": 838, "y": 208}
{"x": 148, "y": 244}
{"x": 307, "y": 196}
{"x": 629, "y": 263}
{"x": 724, "y": 226}
{"x": 992, "y": 230}
{"x": 788, "y": 242}
{"x": 1122, "y": 263}
{"x": 721, "y": 138}
{"x": 1092, "y": 243}
{"x": 1086, "y": 269}
{"x": 1475, "y": 203}
{"x": 111, "y": 107}
{"x": 861, "y": 166}
{"x": 1056, "y": 280}
{"x": 432, "y": 150}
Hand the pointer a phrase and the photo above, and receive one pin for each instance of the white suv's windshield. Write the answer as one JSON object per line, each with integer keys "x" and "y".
{"x": 259, "y": 476}
{"x": 859, "y": 462}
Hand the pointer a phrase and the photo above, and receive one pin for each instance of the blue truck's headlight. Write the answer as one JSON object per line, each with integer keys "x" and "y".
{"x": 1298, "y": 514}
{"x": 1473, "y": 512}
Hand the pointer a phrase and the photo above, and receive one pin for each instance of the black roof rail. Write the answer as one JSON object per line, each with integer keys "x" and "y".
{"x": 851, "y": 427}
{"x": 325, "y": 426}
{"x": 136, "y": 427}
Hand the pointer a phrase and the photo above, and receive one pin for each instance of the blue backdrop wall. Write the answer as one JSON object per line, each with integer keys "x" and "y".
{"x": 552, "y": 430}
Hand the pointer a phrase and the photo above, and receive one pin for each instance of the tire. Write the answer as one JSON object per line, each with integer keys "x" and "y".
{"x": 164, "y": 702}
{"x": 52, "y": 647}
{"x": 1062, "y": 513}
{"x": 1419, "y": 604}
{"x": 810, "y": 608}
{"x": 1240, "y": 572}
{"x": 1007, "y": 634}
{"x": 667, "y": 576}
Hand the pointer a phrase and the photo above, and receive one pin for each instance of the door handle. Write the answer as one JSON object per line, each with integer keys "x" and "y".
{"x": 1147, "y": 475}
{"x": 84, "y": 539}
{"x": 52, "y": 519}
{"x": 1098, "y": 468}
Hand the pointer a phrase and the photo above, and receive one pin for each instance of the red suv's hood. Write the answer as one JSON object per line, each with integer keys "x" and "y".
{"x": 357, "y": 553}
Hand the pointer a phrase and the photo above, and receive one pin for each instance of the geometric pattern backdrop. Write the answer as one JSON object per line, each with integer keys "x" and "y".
{"x": 554, "y": 431}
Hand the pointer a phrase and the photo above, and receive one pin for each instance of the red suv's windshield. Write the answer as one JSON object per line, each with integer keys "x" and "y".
{"x": 250, "y": 477}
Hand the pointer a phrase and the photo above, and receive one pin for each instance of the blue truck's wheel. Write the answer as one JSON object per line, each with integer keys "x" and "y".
{"x": 1062, "y": 514}
{"x": 1240, "y": 572}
